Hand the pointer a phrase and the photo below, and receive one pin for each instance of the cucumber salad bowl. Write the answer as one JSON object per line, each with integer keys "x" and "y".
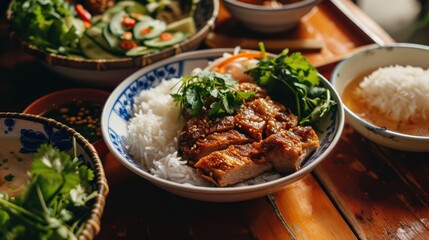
{"x": 104, "y": 46}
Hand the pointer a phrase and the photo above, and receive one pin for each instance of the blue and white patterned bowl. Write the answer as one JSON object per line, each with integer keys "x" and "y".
{"x": 21, "y": 135}
{"x": 118, "y": 110}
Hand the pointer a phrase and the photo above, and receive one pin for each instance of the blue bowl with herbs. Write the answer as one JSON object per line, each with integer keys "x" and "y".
{"x": 104, "y": 46}
{"x": 48, "y": 173}
{"x": 167, "y": 118}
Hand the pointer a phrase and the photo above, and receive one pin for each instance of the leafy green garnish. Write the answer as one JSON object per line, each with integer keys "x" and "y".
{"x": 292, "y": 80}
{"x": 56, "y": 201}
{"x": 212, "y": 92}
{"x": 48, "y": 24}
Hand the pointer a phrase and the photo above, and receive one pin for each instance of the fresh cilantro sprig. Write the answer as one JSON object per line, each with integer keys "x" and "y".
{"x": 212, "y": 92}
{"x": 56, "y": 201}
{"x": 48, "y": 24}
{"x": 292, "y": 80}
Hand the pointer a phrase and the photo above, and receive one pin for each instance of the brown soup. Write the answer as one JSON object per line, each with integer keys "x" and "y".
{"x": 352, "y": 98}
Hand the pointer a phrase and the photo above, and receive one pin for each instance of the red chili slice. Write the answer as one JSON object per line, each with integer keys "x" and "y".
{"x": 83, "y": 13}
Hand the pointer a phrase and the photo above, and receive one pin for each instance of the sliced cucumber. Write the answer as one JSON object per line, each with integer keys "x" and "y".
{"x": 186, "y": 25}
{"x": 92, "y": 50}
{"x": 141, "y": 17}
{"x": 158, "y": 43}
{"x": 96, "y": 19}
{"x": 156, "y": 27}
{"x": 137, "y": 8}
{"x": 127, "y": 6}
{"x": 111, "y": 39}
{"x": 95, "y": 30}
{"x": 119, "y": 6}
{"x": 96, "y": 34}
{"x": 138, "y": 51}
{"x": 116, "y": 27}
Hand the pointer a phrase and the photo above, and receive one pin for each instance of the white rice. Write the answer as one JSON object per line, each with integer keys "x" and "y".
{"x": 399, "y": 92}
{"x": 153, "y": 133}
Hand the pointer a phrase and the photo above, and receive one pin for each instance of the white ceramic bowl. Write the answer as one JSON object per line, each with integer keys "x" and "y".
{"x": 118, "y": 110}
{"x": 267, "y": 19}
{"x": 21, "y": 134}
{"x": 368, "y": 60}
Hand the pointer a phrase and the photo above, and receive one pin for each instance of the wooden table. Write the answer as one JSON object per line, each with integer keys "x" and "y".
{"x": 360, "y": 191}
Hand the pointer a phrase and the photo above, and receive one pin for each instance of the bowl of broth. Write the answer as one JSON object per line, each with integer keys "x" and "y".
{"x": 385, "y": 94}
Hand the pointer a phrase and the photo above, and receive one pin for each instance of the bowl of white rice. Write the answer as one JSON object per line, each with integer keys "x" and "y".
{"x": 140, "y": 125}
{"x": 385, "y": 91}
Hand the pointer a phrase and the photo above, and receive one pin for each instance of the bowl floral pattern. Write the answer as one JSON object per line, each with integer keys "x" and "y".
{"x": 31, "y": 140}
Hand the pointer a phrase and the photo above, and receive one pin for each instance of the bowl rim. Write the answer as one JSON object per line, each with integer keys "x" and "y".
{"x": 290, "y": 6}
{"x": 203, "y": 189}
{"x": 112, "y": 64}
{"x": 363, "y": 52}
{"x": 97, "y": 93}
{"x": 49, "y": 101}
{"x": 93, "y": 223}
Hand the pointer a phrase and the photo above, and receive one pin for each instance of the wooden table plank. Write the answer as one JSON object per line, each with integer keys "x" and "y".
{"x": 378, "y": 197}
{"x": 309, "y": 213}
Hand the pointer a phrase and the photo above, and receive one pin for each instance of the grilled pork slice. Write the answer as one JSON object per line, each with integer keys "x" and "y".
{"x": 230, "y": 166}
{"x": 288, "y": 149}
{"x": 250, "y": 123}
{"x": 200, "y": 126}
{"x": 284, "y": 150}
{"x": 282, "y": 121}
{"x": 214, "y": 142}
{"x": 197, "y": 128}
{"x": 263, "y": 117}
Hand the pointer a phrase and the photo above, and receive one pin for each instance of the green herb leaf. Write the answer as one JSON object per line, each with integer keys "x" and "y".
{"x": 55, "y": 202}
{"x": 292, "y": 80}
{"x": 210, "y": 92}
{"x": 47, "y": 24}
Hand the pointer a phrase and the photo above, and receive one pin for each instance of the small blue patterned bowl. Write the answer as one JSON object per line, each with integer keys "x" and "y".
{"x": 118, "y": 110}
{"x": 21, "y": 135}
